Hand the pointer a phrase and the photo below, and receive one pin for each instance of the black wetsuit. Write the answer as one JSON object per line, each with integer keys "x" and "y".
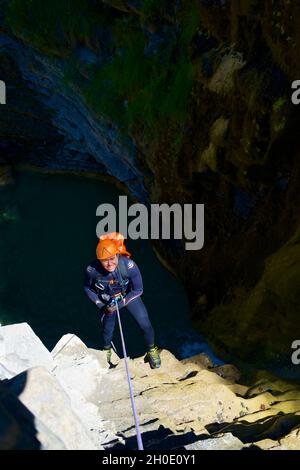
{"x": 113, "y": 283}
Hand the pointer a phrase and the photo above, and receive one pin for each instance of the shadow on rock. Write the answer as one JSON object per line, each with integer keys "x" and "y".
{"x": 274, "y": 428}
{"x": 17, "y": 423}
{"x": 160, "y": 439}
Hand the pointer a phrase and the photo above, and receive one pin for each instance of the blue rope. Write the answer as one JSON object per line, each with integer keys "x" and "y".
{"x": 136, "y": 422}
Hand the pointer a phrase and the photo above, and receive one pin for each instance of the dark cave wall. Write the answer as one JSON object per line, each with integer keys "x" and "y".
{"x": 184, "y": 102}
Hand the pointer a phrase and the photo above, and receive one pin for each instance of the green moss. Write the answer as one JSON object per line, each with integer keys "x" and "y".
{"x": 279, "y": 114}
{"x": 152, "y": 90}
{"x": 153, "y": 9}
{"x": 263, "y": 323}
{"x": 53, "y": 27}
{"x": 280, "y": 125}
{"x": 279, "y": 103}
{"x": 132, "y": 87}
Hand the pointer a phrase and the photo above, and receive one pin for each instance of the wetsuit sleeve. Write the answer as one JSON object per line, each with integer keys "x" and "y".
{"x": 88, "y": 283}
{"x": 136, "y": 283}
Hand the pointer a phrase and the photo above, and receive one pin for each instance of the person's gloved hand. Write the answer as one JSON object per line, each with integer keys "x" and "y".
{"x": 110, "y": 309}
{"x": 99, "y": 304}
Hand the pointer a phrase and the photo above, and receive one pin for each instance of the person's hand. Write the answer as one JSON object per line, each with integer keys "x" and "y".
{"x": 109, "y": 310}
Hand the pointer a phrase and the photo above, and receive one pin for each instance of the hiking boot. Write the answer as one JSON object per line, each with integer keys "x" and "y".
{"x": 153, "y": 357}
{"x": 107, "y": 349}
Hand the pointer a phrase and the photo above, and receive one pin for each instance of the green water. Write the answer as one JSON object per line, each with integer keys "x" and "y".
{"x": 48, "y": 237}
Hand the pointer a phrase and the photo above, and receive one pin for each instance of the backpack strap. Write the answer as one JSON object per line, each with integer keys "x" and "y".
{"x": 122, "y": 269}
{"x": 122, "y": 273}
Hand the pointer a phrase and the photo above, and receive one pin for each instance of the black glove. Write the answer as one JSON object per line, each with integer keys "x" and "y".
{"x": 110, "y": 309}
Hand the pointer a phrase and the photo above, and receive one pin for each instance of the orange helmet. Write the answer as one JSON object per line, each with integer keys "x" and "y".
{"x": 110, "y": 244}
{"x": 106, "y": 249}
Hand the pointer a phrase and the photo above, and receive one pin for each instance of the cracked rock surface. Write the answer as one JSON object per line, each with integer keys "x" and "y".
{"x": 82, "y": 403}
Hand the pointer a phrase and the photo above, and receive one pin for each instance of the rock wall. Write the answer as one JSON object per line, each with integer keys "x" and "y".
{"x": 70, "y": 399}
{"x": 47, "y": 124}
{"x": 204, "y": 103}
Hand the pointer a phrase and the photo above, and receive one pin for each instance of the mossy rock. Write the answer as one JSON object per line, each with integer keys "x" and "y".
{"x": 9, "y": 215}
{"x": 261, "y": 325}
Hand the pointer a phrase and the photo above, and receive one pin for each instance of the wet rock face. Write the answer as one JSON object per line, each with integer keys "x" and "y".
{"x": 240, "y": 157}
{"x": 47, "y": 124}
{"x": 26, "y": 125}
{"x": 6, "y": 175}
{"x": 233, "y": 146}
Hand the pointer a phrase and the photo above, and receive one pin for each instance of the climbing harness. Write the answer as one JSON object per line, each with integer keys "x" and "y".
{"x": 136, "y": 422}
{"x": 107, "y": 290}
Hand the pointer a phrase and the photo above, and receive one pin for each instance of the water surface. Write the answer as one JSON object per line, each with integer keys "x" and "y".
{"x": 48, "y": 237}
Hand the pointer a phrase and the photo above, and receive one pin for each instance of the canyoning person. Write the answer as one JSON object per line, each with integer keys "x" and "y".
{"x": 112, "y": 277}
